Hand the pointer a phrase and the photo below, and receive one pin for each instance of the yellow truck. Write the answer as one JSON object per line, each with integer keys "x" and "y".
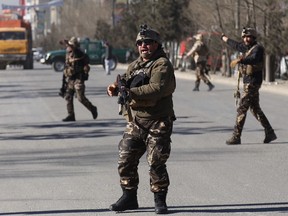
{"x": 15, "y": 43}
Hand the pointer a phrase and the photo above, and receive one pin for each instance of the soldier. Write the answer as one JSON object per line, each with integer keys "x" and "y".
{"x": 200, "y": 53}
{"x": 150, "y": 84}
{"x": 76, "y": 72}
{"x": 251, "y": 65}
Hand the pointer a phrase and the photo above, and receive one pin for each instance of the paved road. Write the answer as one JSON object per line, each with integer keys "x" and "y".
{"x": 49, "y": 167}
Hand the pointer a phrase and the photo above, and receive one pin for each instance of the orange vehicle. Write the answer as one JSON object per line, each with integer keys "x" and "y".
{"x": 15, "y": 42}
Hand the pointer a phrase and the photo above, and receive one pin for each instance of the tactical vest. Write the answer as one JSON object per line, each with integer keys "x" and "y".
{"x": 69, "y": 66}
{"x": 140, "y": 76}
{"x": 203, "y": 50}
{"x": 77, "y": 69}
{"x": 250, "y": 69}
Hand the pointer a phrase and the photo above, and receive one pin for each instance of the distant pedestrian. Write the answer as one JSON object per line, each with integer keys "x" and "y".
{"x": 251, "y": 65}
{"x": 199, "y": 52}
{"x": 108, "y": 57}
{"x": 182, "y": 52}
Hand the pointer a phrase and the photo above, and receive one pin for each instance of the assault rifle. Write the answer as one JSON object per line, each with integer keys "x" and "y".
{"x": 123, "y": 94}
{"x": 63, "y": 88}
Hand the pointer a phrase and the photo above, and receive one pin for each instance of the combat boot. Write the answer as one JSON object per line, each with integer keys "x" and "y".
{"x": 211, "y": 86}
{"x": 128, "y": 201}
{"x": 94, "y": 112}
{"x": 197, "y": 84}
{"x": 234, "y": 140}
{"x": 270, "y": 136}
{"x": 69, "y": 118}
{"x": 160, "y": 202}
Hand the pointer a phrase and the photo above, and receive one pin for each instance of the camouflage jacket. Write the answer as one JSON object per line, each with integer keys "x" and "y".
{"x": 74, "y": 69}
{"x": 154, "y": 99}
{"x": 199, "y": 51}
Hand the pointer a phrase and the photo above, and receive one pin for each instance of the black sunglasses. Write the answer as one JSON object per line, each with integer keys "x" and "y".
{"x": 146, "y": 41}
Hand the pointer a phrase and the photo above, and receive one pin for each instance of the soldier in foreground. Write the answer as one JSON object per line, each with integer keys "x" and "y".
{"x": 76, "y": 71}
{"x": 251, "y": 65}
{"x": 149, "y": 84}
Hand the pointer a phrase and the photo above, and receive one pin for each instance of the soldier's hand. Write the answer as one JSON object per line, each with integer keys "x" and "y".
{"x": 234, "y": 63}
{"x": 111, "y": 90}
{"x": 224, "y": 37}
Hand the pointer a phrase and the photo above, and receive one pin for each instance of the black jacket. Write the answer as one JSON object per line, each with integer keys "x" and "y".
{"x": 255, "y": 57}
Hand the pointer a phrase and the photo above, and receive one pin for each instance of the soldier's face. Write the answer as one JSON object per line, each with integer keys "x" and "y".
{"x": 146, "y": 48}
{"x": 248, "y": 40}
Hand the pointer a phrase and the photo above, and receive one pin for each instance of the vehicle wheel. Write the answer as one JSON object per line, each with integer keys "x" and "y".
{"x": 28, "y": 64}
{"x": 58, "y": 65}
{"x": 2, "y": 66}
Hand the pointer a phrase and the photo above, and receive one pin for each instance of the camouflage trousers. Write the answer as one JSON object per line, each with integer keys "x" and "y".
{"x": 200, "y": 74}
{"x": 250, "y": 100}
{"x": 76, "y": 86}
{"x": 153, "y": 137}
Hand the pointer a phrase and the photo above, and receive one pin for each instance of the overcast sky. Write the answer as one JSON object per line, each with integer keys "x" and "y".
{"x": 8, "y": 2}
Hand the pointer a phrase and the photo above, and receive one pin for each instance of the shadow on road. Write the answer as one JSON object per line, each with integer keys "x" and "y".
{"x": 46, "y": 131}
{"x": 280, "y": 207}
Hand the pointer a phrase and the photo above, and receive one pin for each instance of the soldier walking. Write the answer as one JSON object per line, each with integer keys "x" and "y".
{"x": 150, "y": 84}
{"x": 76, "y": 73}
{"x": 251, "y": 65}
{"x": 199, "y": 52}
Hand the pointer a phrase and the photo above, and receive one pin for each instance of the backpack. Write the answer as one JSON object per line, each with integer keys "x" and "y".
{"x": 203, "y": 50}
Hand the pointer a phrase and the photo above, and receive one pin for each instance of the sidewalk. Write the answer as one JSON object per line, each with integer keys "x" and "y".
{"x": 277, "y": 87}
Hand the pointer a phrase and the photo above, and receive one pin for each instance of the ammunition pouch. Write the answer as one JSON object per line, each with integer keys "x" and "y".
{"x": 142, "y": 103}
{"x": 69, "y": 71}
{"x": 86, "y": 69}
{"x": 251, "y": 69}
{"x": 138, "y": 80}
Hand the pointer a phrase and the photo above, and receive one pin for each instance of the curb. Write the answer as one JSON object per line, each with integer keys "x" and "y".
{"x": 277, "y": 87}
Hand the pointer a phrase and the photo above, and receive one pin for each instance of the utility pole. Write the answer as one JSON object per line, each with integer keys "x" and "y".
{"x": 237, "y": 16}
{"x": 269, "y": 57}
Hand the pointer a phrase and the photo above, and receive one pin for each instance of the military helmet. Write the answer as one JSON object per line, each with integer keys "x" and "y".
{"x": 148, "y": 33}
{"x": 249, "y": 32}
{"x": 198, "y": 37}
{"x": 73, "y": 42}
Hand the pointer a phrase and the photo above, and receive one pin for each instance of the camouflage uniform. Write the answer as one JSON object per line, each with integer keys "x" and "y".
{"x": 152, "y": 125}
{"x": 76, "y": 76}
{"x": 143, "y": 135}
{"x": 151, "y": 82}
{"x": 200, "y": 52}
{"x": 250, "y": 66}
{"x": 250, "y": 99}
